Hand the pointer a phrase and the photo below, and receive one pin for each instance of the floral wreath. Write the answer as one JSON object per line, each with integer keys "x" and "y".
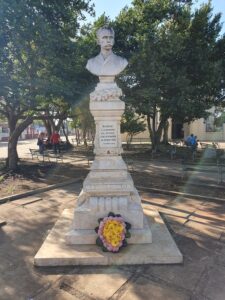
{"x": 112, "y": 233}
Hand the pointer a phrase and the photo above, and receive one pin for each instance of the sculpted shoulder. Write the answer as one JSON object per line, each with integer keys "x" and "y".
{"x": 111, "y": 66}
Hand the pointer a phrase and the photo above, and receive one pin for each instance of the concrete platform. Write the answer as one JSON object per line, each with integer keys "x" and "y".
{"x": 55, "y": 251}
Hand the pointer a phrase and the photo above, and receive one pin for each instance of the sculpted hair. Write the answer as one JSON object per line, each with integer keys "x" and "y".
{"x": 98, "y": 32}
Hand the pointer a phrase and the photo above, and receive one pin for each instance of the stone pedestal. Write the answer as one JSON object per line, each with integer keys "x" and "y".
{"x": 109, "y": 186}
{"x": 56, "y": 252}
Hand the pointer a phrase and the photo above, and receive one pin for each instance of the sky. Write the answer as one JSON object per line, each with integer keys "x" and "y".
{"x": 112, "y": 8}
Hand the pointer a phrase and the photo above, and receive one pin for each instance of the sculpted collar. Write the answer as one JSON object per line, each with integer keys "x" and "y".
{"x": 107, "y": 59}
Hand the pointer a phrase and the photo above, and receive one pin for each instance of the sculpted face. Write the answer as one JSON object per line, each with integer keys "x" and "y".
{"x": 106, "y": 63}
{"x": 106, "y": 39}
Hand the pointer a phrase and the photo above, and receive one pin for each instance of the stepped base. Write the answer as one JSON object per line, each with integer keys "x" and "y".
{"x": 55, "y": 251}
{"x": 86, "y": 237}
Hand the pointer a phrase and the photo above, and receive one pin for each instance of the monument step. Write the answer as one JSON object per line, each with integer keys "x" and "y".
{"x": 55, "y": 251}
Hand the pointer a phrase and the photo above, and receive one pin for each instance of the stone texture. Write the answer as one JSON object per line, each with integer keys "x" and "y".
{"x": 55, "y": 251}
{"x": 21, "y": 284}
{"x": 143, "y": 288}
{"x": 167, "y": 210}
{"x": 212, "y": 283}
{"x": 185, "y": 276}
{"x": 55, "y": 294}
{"x": 222, "y": 238}
{"x": 98, "y": 284}
{"x": 203, "y": 229}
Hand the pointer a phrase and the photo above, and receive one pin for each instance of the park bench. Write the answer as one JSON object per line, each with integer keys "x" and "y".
{"x": 53, "y": 156}
{"x": 47, "y": 155}
{"x": 213, "y": 167}
{"x": 204, "y": 145}
{"x": 36, "y": 154}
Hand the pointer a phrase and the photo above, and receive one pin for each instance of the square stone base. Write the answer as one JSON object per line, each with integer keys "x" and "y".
{"x": 55, "y": 251}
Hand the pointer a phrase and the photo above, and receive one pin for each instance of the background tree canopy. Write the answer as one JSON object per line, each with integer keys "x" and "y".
{"x": 39, "y": 60}
{"x": 176, "y": 59}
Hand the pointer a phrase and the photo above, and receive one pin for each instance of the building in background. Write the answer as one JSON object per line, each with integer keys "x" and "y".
{"x": 31, "y": 132}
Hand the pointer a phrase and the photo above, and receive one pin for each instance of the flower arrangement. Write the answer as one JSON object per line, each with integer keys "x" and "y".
{"x": 112, "y": 233}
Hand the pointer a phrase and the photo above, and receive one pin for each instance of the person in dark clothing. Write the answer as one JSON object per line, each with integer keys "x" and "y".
{"x": 40, "y": 142}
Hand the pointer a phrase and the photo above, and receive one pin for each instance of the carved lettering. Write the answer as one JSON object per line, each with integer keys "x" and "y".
{"x": 108, "y": 135}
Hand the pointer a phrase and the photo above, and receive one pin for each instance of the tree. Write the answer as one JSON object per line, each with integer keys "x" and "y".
{"x": 37, "y": 45}
{"x": 132, "y": 124}
{"x": 84, "y": 120}
{"x": 175, "y": 61}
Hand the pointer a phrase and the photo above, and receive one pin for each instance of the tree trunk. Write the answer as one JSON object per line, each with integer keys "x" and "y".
{"x": 65, "y": 134}
{"x": 48, "y": 127}
{"x": 158, "y": 133}
{"x": 12, "y": 159}
{"x": 85, "y": 138}
{"x": 59, "y": 125}
{"x": 165, "y": 133}
{"x": 155, "y": 131}
{"x": 150, "y": 131}
{"x": 77, "y": 133}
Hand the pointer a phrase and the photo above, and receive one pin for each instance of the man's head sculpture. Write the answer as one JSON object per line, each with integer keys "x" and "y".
{"x": 105, "y": 38}
{"x": 106, "y": 63}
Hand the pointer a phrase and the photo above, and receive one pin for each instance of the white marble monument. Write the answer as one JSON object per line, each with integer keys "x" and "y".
{"x": 109, "y": 186}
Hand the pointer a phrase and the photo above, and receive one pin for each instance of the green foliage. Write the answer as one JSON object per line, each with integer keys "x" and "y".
{"x": 131, "y": 124}
{"x": 220, "y": 118}
{"x": 84, "y": 120}
{"x": 175, "y": 60}
{"x": 39, "y": 58}
{"x": 36, "y": 48}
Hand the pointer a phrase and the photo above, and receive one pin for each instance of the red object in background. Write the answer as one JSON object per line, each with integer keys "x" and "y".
{"x": 55, "y": 138}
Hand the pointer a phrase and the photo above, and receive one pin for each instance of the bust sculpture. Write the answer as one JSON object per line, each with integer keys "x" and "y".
{"x": 106, "y": 63}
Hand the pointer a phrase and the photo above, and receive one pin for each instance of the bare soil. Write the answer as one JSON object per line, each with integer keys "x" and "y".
{"x": 32, "y": 175}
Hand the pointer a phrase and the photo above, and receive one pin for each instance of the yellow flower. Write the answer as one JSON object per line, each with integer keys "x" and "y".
{"x": 112, "y": 232}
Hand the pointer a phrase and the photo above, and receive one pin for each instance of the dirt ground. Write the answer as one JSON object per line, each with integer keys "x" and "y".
{"x": 32, "y": 176}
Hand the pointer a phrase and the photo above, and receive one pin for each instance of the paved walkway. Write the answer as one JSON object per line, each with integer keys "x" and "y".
{"x": 198, "y": 228}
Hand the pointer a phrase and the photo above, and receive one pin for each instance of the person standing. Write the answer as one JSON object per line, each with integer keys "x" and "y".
{"x": 40, "y": 142}
{"x": 55, "y": 139}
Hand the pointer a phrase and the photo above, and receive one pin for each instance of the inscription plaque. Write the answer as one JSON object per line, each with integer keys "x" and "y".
{"x": 108, "y": 134}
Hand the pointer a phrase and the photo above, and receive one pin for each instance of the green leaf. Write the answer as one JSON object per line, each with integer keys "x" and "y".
{"x": 111, "y": 214}
{"x": 99, "y": 242}
{"x": 128, "y": 225}
{"x": 128, "y": 235}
